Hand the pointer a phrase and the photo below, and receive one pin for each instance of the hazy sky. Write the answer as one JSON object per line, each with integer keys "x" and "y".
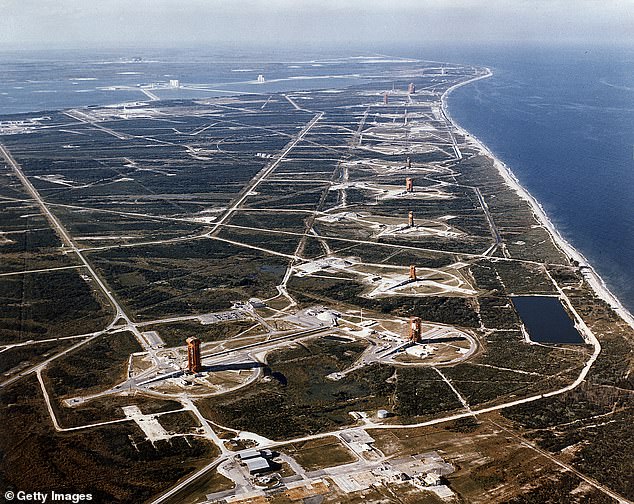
{"x": 185, "y": 22}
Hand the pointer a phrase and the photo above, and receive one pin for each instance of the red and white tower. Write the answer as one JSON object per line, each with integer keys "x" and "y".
{"x": 409, "y": 184}
{"x": 415, "y": 329}
{"x": 194, "y": 364}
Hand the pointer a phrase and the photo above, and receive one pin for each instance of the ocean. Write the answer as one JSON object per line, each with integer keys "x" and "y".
{"x": 561, "y": 118}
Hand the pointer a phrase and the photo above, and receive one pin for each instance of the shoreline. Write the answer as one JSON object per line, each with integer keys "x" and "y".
{"x": 596, "y": 283}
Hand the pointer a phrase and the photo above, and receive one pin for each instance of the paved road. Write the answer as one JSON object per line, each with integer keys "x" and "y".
{"x": 68, "y": 242}
{"x": 567, "y": 467}
{"x": 45, "y": 270}
{"x": 42, "y": 365}
{"x": 494, "y": 229}
{"x": 265, "y": 173}
{"x": 271, "y": 342}
{"x": 84, "y": 118}
{"x": 120, "y": 314}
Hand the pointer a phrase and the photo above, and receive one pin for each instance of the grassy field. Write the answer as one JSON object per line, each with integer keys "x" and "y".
{"x": 319, "y": 453}
{"x": 115, "y": 464}
{"x": 51, "y": 304}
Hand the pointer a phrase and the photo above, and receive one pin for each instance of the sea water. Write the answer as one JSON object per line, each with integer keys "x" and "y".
{"x": 562, "y": 119}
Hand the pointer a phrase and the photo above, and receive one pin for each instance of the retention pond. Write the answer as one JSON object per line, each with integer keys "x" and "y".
{"x": 546, "y": 320}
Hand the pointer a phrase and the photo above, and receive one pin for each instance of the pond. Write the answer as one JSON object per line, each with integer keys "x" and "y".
{"x": 546, "y": 320}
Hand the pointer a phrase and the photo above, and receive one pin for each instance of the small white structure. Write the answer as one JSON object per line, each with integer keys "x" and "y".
{"x": 432, "y": 479}
{"x": 420, "y": 351}
{"x": 255, "y": 303}
{"x": 358, "y": 440}
{"x": 382, "y": 413}
{"x": 330, "y": 317}
{"x": 174, "y": 83}
{"x": 260, "y": 79}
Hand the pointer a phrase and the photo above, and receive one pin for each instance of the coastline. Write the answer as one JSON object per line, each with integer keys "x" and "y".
{"x": 597, "y": 284}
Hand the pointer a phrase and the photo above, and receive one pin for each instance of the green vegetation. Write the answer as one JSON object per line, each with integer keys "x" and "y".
{"x": 99, "y": 364}
{"x": 175, "y": 333}
{"x": 421, "y": 391}
{"x": 198, "y": 276}
{"x": 300, "y": 399}
{"x": 498, "y": 313}
{"x": 597, "y": 421}
{"x": 196, "y": 492}
{"x": 157, "y": 185}
{"x": 181, "y": 422}
{"x": 520, "y": 278}
{"x": 319, "y": 453}
{"x": 45, "y": 305}
{"x": 108, "y": 407}
{"x": 560, "y": 490}
{"x": 480, "y": 384}
{"x": 114, "y": 463}
{"x": 447, "y": 310}
{"x": 28, "y": 355}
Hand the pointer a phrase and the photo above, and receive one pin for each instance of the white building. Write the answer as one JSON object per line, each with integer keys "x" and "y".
{"x": 257, "y": 465}
{"x": 432, "y": 479}
{"x": 383, "y": 413}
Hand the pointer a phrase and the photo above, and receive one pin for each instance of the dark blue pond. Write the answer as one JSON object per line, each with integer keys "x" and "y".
{"x": 546, "y": 320}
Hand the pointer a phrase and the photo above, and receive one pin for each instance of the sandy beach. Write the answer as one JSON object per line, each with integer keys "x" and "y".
{"x": 592, "y": 277}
